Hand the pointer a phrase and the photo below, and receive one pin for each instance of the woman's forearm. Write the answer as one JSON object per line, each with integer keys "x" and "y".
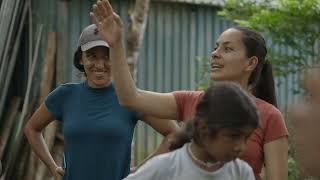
{"x": 40, "y": 148}
{"x": 124, "y": 84}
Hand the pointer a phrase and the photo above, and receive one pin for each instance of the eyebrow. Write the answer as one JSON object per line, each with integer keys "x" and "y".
{"x": 89, "y": 52}
{"x": 224, "y": 43}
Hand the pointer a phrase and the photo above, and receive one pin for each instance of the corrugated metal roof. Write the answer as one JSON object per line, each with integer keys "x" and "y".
{"x": 199, "y": 2}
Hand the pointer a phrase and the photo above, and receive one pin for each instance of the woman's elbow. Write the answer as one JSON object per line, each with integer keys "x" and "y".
{"x": 128, "y": 101}
{"x": 125, "y": 103}
{"x": 28, "y": 130}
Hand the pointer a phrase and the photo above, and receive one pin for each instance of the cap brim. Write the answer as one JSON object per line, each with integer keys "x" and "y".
{"x": 93, "y": 44}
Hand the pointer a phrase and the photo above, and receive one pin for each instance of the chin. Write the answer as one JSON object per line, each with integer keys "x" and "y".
{"x": 102, "y": 83}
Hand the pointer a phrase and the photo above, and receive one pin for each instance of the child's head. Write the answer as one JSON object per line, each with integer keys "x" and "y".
{"x": 225, "y": 117}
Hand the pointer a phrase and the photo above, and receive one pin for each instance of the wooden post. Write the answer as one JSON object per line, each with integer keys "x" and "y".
{"x": 138, "y": 18}
{"x": 7, "y": 127}
{"x": 45, "y": 88}
{"x": 18, "y": 137}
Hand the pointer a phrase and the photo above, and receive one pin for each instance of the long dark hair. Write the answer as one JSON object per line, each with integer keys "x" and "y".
{"x": 261, "y": 81}
{"x": 224, "y": 105}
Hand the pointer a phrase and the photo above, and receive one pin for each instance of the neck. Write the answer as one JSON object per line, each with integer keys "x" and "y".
{"x": 243, "y": 83}
{"x": 199, "y": 152}
{"x": 92, "y": 85}
{"x": 200, "y": 157}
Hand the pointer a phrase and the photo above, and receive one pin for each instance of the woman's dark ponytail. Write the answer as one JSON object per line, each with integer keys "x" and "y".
{"x": 265, "y": 88}
{"x": 261, "y": 81}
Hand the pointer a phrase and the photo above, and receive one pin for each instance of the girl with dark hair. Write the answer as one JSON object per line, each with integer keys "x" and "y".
{"x": 239, "y": 56}
{"x": 97, "y": 130}
{"x": 211, "y": 141}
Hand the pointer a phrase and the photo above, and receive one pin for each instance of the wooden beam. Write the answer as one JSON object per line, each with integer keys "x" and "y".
{"x": 13, "y": 60}
{"x": 18, "y": 137}
{"x": 138, "y": 18}
{"x": 8, "y": 122}
{"x": 45, "y": 88}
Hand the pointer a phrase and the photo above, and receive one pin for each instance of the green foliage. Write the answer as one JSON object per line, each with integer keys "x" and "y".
{"x": 294, "y": 29}
{"x": 293, "y": 172}
{"x": 293, "y": 168}
{"x": 205, "y": 80}
{"x": 293, "y": 24}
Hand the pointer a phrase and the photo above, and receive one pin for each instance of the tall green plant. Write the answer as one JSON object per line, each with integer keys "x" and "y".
{"x": 294, "y": 24}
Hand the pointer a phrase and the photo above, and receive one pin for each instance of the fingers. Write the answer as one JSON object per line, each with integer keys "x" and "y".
{"x": 107, "y": 6}
{"x": 117, "y": 19}
{"x": 60, "y": 171}
{"x": 94, "y": 18}
{"x": 101, "y": 11}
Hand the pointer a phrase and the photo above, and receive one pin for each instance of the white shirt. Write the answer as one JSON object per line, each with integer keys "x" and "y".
{"x": 178, "y": 165}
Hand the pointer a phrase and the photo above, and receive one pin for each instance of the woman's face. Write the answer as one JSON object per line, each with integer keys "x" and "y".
{"x": 97, "y": 66}
{"x": 228, "y": 60}
{"x": 227, "y": 144}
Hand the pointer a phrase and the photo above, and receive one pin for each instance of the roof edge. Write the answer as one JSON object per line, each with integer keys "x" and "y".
{"x": 218, "y": 3}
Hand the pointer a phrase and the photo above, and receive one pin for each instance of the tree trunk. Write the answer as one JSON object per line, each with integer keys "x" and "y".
{"x": 138, "y": 17}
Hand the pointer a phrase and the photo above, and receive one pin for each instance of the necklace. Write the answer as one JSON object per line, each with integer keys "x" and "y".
{"x": 208, "y": 165}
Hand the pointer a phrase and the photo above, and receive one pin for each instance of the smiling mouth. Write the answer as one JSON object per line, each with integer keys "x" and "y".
{"x": 100, "y": 73}
{"x": 216, "y": 67}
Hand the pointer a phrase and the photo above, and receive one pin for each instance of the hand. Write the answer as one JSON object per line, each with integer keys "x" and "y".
{"x": 311, "y": 83}
{"x": 108, "y": 22}
{"x": 306, "y": 122}
{"x": 58, "y": 173}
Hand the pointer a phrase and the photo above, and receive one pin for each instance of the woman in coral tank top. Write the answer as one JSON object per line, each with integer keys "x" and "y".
{"x": 239, "y": 56}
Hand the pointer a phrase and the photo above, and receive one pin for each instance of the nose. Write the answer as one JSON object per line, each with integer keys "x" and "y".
{"x": 215, "y": 54}
{"x": 100, "y": 63}
{"x": 240, "y": 146}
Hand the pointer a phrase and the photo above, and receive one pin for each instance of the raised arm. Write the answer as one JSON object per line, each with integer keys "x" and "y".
{"x": 33, "y": 131}
{"x": 110, "y": 27}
